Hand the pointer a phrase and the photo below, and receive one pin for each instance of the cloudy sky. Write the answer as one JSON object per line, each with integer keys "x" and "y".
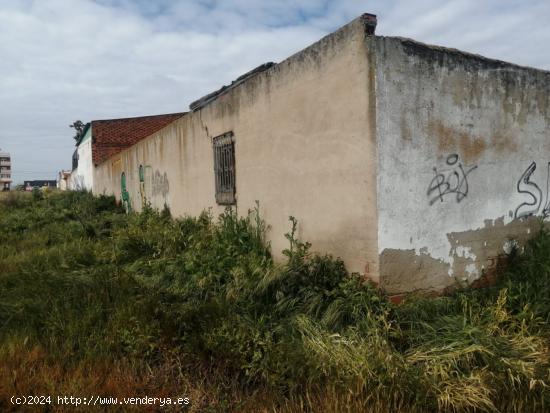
{"x": 62, "y": 60}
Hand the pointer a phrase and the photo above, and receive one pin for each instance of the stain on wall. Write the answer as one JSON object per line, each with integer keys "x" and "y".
{"x": 448, "y": 138}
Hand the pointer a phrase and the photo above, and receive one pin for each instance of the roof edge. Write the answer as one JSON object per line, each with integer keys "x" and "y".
{"x": 141, "y": 117}
{"x": 407, "y": 41}
{"x": 367, "y": 20}
{"x": 205, "y": 100}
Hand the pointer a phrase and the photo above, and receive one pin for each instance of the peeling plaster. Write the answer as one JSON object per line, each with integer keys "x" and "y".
{"x": 470, "y": 254}
{"x": 441, "y": 111}
{"x": 510, "y": 245}
{"x": 472, "y": 271}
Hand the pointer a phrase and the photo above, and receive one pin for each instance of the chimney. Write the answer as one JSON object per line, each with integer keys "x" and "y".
{"x": 370, "y": 23}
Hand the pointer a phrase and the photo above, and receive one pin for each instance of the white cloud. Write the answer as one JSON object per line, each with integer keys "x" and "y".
{"x": 81, "y": 59}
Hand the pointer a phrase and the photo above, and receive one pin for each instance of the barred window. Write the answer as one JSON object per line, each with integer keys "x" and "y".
{"x": 224, "y": 168}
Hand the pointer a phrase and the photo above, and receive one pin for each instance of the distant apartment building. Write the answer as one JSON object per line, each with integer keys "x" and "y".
{"x": 5, "y": 171}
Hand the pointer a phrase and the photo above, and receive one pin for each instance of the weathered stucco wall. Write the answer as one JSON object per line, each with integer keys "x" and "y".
{"x": 177, "y": 171}
{"x": 463, "y": 150}
{"x": 304, "y": 146}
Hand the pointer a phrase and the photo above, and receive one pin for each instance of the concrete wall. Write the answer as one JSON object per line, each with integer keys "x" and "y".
{"x": 463, "y": 150}
{"x": 305, "y": 146}
{"x": 83, "y": 176}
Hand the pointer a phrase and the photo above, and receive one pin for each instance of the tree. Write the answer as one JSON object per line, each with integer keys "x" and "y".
{"x": 78, "y": 126}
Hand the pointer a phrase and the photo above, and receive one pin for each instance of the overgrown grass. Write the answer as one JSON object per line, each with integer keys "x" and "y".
{"x": 95, "y": 301}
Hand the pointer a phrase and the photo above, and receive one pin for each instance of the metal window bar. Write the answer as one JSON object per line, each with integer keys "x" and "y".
{"x": 224, "y": 168}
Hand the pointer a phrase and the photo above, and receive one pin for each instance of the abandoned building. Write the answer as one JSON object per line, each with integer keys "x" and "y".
{"x": 418, "y": 165}
{"x": 101, "y": 139}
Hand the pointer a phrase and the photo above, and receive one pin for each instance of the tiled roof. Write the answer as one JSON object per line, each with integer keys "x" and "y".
{"x": 111, "y": 136}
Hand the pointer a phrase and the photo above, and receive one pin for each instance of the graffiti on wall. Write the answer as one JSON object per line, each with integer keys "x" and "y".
{"x": 161, "y": 186}
{"x": 453, "y": 180}
{"x": 450, "y": 180}
{"x": 124, "y": 194}
{"x": 150, "y": 184}
{"x": 526, "y": 186}
{"x": 141, "y": 172}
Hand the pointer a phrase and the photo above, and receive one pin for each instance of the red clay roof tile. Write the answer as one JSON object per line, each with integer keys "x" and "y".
{"x": 111, "y": 136}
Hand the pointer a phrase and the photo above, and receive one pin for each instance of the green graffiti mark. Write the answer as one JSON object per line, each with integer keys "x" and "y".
{"x": 125, "y": 195}
{"x": 142, "y": 185}
{"x": 141, "y": 174}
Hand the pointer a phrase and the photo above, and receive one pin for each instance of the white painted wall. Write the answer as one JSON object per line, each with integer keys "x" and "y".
{"x": 82, "y": 178}
{"x": 437, "y": 107}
